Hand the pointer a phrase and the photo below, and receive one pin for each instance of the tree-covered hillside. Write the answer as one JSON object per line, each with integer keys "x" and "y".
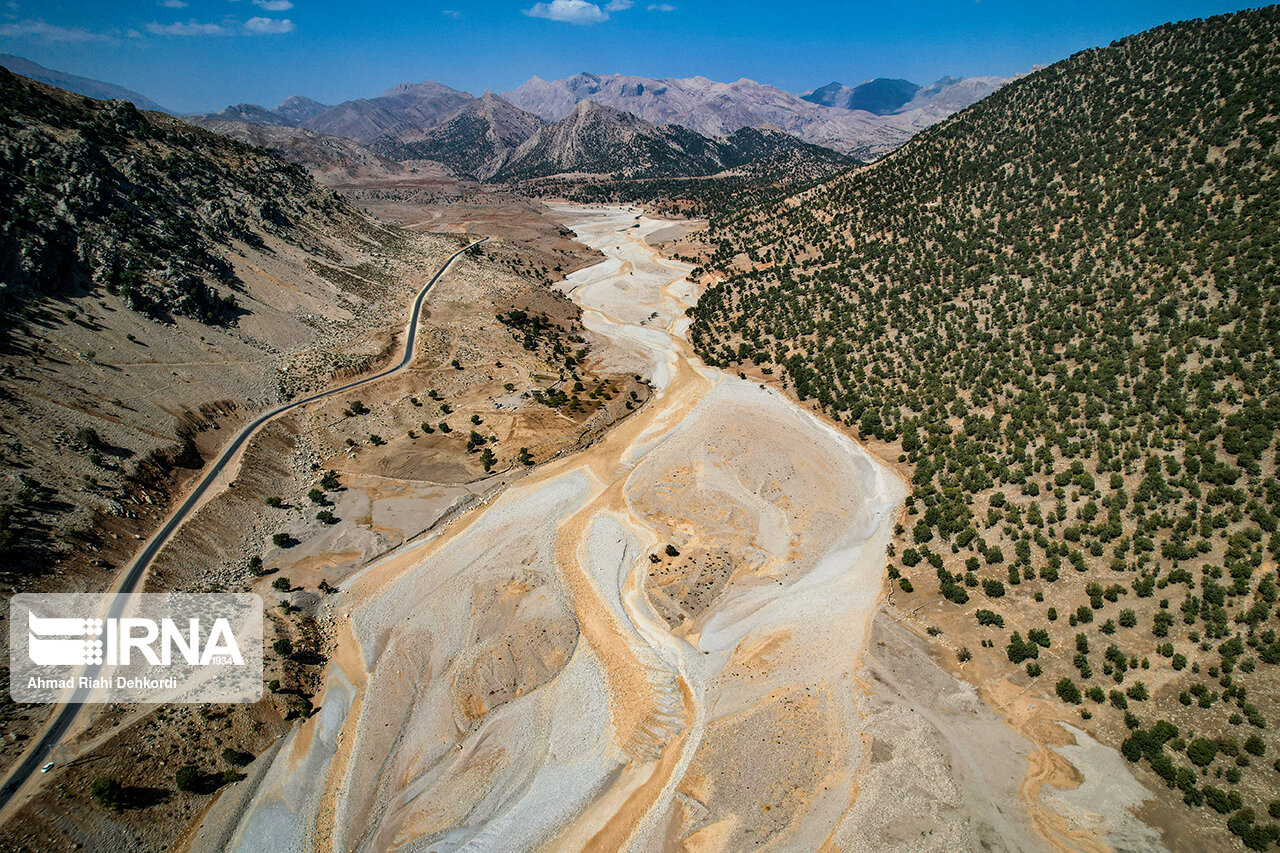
{"x": 1062, "y": 307}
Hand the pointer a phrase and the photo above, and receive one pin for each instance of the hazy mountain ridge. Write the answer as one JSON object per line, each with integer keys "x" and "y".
{"x": 717, "y": 109}
{"x": 80, "y": 85}
{"x": 880, "y": 96}
{"x": 407, "y": 106}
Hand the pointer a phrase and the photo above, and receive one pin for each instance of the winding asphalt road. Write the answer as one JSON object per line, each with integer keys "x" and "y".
{"x": 68, "y": 712}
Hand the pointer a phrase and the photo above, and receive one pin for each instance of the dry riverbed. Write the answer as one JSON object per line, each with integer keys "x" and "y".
{"x": 662, "y": 642}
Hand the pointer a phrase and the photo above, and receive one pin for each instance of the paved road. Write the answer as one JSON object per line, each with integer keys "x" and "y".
{"x": 69, "y": 711}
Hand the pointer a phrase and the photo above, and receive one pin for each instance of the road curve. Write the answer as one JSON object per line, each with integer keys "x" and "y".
{"x": 69, "y": 710}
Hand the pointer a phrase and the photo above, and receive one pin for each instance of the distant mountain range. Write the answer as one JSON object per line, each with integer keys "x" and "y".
{"x": 409, "y": 106}
{"x": 716, "y": 109}
{"x": 80, "y": 85}
{"x": 491, "y": 139}
{"x": 483, "y": 138}
{"x": 866, "y": 121}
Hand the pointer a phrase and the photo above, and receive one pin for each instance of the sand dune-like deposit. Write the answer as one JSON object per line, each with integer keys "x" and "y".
{"x": 653, "y": 644}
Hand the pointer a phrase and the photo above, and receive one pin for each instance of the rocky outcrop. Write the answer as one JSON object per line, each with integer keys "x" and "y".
{"x": 97, "y": 194}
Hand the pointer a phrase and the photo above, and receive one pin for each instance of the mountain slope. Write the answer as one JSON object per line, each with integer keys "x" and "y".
{"x": 156, "y": 281}
{"x": 717, "y": 109}
{"x": 331, "y": 159}
{"x": 1059, "y": 311}
{"x": 80, "y": 85}
{"x": 297, "y": 109}
{"x": 597, "y": 140}
{"x": 476, "y": 142}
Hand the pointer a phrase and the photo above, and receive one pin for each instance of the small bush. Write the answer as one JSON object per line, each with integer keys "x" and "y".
{"x": 108, "y": 792}
{"x": 236, "y": 758}
{"x": 188, "y": 778}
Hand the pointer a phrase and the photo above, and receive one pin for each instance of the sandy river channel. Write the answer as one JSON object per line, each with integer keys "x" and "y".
{"x": 544, "y": 673}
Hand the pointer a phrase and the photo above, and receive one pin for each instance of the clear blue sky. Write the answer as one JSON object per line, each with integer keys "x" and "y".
{"x": 197, "y": 55}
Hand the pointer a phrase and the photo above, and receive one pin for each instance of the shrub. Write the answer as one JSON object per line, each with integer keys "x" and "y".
{"x": 89, "y": 437}
{"x": 108, "y": 792}
{"x": 282, "y": 584}
{"x": 236, "y": 758}
{"x": 1019, "y": 650}
{"x": 188, "y": 778}
{"x": 989, "y": 617}
{"x": 1068, "y": 692}
{"x": 1202, "y": 751}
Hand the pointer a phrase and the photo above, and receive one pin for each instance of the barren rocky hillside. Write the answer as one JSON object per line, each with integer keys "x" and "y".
{"x": 158, "y": 282}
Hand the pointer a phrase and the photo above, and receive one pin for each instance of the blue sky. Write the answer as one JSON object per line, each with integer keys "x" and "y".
{"x": 196, "y": 55}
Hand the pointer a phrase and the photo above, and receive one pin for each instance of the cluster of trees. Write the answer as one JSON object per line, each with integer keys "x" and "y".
{"x": 1061, "y": 309}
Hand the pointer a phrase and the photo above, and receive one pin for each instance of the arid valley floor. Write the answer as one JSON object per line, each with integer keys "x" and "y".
{"x": 673, "y": 639}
